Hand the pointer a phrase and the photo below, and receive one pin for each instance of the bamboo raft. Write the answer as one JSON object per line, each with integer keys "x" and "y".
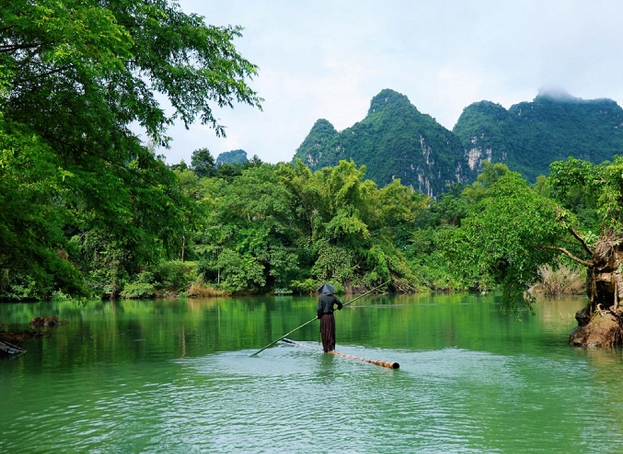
{"x": 388, "y": 364}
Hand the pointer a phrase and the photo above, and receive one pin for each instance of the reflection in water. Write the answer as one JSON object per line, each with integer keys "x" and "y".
{"x": 470, "y": 380}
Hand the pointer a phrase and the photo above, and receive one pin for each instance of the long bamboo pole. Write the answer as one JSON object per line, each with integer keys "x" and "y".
{"x": 314, "y": 319}
{"x": 388, "y": 364}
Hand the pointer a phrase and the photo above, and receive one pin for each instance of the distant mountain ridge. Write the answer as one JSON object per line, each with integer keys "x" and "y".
{"x": 232, "y": 157}
{"x": 395, "y": 140}
{"x": 529, "y": 136}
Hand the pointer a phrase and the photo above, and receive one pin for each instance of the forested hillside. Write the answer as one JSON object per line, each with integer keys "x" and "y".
{"x": 232, "y": 157}
{"x": 394, "y": 141}
{"x": 529, "y": 136}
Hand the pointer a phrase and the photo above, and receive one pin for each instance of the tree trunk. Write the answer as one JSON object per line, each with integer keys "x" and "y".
{"x": 600, "y": 323}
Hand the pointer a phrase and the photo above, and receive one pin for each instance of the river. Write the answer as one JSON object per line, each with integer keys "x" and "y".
{"x": 177, "y": 377}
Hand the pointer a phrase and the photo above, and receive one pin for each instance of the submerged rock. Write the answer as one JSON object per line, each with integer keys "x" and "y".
{"x": 49, "y": 322}
{"x": 602, "y": 330}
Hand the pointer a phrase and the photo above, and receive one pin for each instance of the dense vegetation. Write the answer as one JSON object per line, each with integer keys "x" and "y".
{"x": 284, "y": 228}
{"x": 88, "y": 210}
{"x": 232, "y": 157}
{"x": 85, "y": 205}
{"x": 529, "y": 136}
{"x": 258, "y": 228}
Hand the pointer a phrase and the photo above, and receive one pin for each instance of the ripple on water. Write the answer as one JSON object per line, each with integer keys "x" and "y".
{"x": 291, "y": 399}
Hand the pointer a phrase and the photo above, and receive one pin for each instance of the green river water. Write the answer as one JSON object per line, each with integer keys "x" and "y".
{"x": 177, "y": 377}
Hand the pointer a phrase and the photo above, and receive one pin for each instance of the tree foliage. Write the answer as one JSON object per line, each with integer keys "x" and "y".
{"x": 353, "y": 227}
{"x": 500, "y": 241}
{"x": 280, "y": 227}
{"x": 32, "y": 215}
{"x": 74, "y": 76}
{"x": 202, "y": 163}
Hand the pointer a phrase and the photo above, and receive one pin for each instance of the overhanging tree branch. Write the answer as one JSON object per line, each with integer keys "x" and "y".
{"x": 586, "y": 263}
{"x": 581, "y": 240}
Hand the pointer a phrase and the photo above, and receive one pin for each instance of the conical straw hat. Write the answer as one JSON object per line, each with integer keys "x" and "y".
{"x": 326, "y": 289}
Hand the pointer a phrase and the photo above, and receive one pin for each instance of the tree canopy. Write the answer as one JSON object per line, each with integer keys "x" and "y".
{"x": 500, "y": 240}
{"x": 74, "y": 77}
{"x": 88, "y": 208}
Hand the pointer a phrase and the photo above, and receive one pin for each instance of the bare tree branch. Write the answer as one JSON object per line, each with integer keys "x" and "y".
{"x": 581, "y": 240}
{"x": 12, "y": 48}
{"x": 588, "y": 264}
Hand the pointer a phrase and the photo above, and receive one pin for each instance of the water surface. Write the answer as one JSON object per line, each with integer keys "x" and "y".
{"x": 177, "y": 376}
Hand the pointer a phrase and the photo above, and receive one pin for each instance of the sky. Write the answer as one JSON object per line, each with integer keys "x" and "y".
{"x": 329, "y": 58}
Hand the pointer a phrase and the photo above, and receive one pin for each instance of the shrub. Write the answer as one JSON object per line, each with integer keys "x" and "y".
{"x": 309, "y": 286}
{"x": 431, "y": 270}
{"x": 304, "y": 287}
{"x": 138, "y": 290}
{"x": 173, "y": 276}
{"x": 19, "y": 287}
{"x": 200, "y": 289}
{"x": 566, "y": 280}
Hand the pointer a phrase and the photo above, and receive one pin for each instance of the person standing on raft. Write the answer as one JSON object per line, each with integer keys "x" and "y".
{"x": 324, "y": 311}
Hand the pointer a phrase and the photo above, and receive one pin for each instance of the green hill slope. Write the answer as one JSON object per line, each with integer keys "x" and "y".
{"x": 529, "y": 136}
{"x": 232, "y": 157}
{"x": 393, "y": 141}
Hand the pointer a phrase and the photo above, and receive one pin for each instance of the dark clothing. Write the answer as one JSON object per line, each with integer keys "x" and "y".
{"x": 326, "y": 303}
{"x": 327, "y": 331}
{"x": 324, "y": 311}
